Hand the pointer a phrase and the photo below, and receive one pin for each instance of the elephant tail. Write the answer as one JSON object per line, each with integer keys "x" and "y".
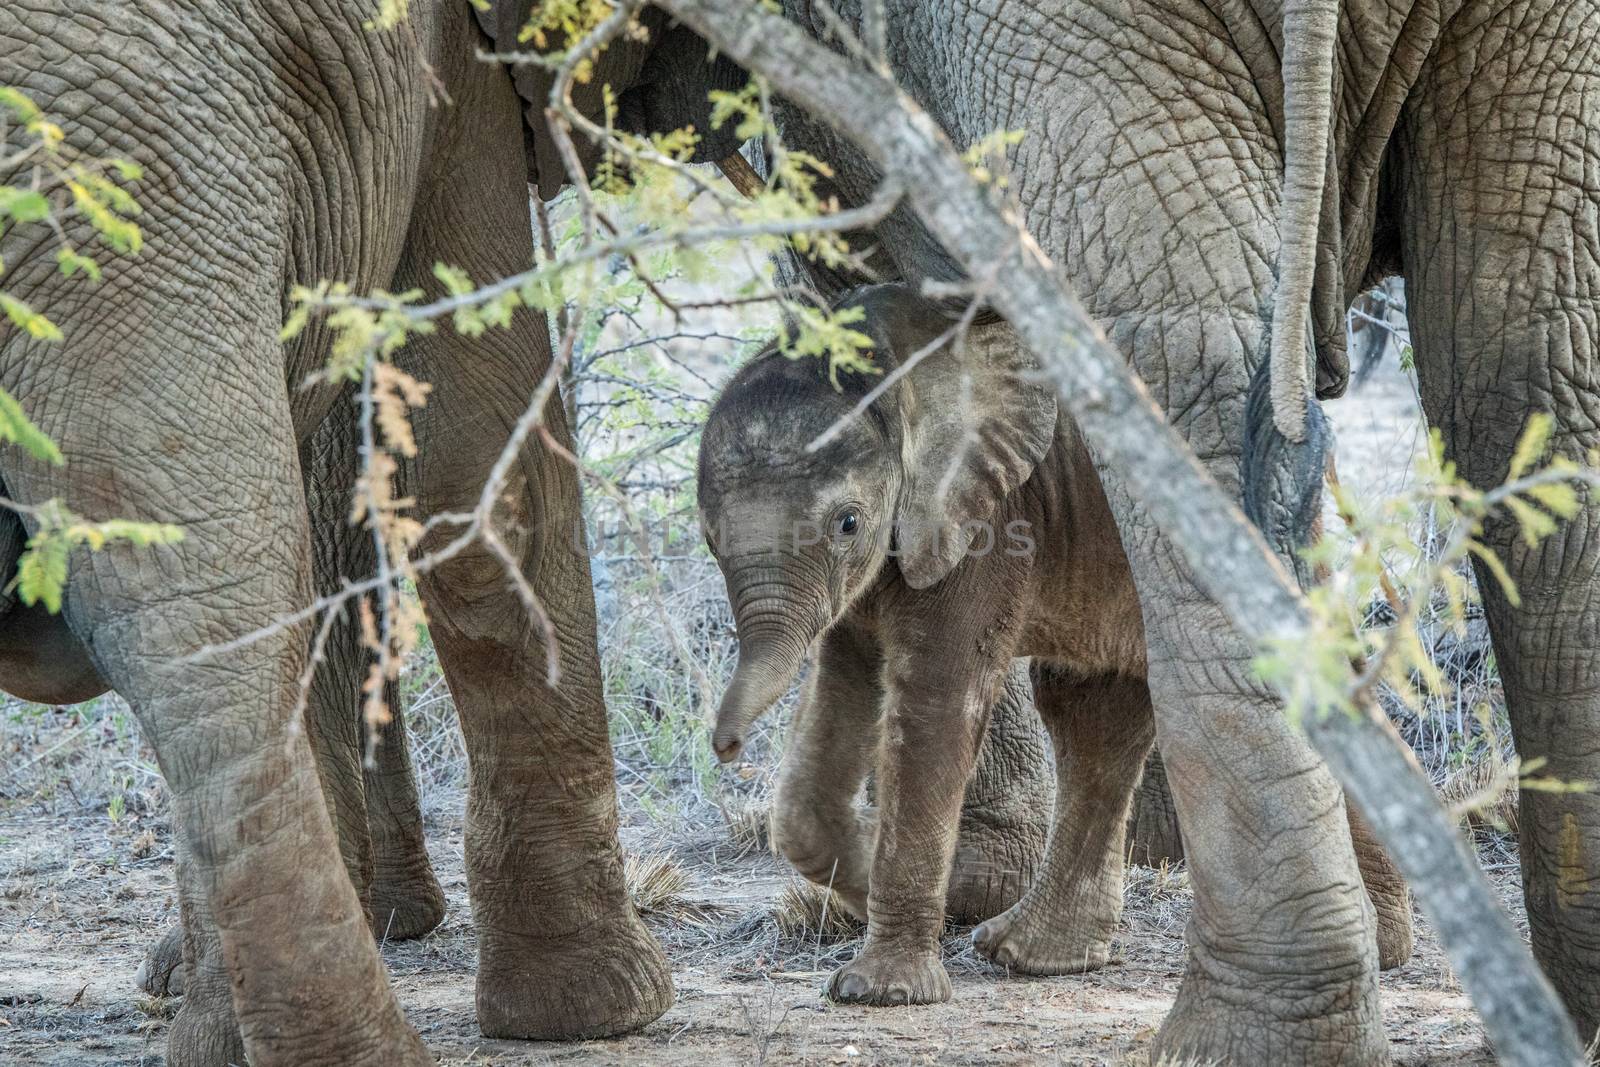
{"x": 1280, "y": 479}
{"x": 1310, "y": 29}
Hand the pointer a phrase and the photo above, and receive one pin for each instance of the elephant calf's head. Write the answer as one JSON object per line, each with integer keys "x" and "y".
{"x": 808, "y": 491}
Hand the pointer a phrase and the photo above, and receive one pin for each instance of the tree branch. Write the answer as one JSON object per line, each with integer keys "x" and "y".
{"x": 1226, "y": 554}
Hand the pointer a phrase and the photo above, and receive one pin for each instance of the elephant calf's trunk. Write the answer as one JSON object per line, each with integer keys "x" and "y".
{"x": 761, "y": 679}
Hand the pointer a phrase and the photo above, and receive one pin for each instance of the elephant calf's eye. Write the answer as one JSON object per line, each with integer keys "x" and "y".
{"x": 847, "y": 524}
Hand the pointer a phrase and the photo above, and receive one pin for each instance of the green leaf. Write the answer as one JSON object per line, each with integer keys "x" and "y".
{"x": 455, "y": 280}
{"x": 1535, "y": 436}
{"x": 1498, "y": 570}
{"x": 72, "y": 262}
{"x": 24, "y": 205}
{"x": 29, "y": 320}
{"x": 1559, "y": 498}
{"x": 42, "y": 572}
{"x": 16, "y": 426}
{"x": 17, "y": 102}
{"x": 1534, "y": 524}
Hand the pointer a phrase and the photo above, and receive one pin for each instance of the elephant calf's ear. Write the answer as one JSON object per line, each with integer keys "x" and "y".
{"x": 976, "y": 427}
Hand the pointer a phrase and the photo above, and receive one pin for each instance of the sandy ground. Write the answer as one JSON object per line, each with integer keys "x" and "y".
{"x": 82, "y": 895}
{"x": 79, "y": 904}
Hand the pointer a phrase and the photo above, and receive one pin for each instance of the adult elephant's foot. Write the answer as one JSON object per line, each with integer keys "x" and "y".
{"x": 881, "y": 977}
{"x": 205, "y": 1032}
{"x": 1288, "y": 1018}
{"x": 407, "y": 906}
{"x": 162, "y": 972}
{"x": 1034, "y": 938}
{"x": 1394, "y": 929}
{"x": 588, "y": 985}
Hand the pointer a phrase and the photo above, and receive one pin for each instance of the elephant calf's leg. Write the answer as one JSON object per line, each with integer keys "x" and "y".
{"x": 1102, "y": 729}
{"x": 817, "y": 823}
{"x": 1005, "y": 817}
{"x": 935, "y": 711}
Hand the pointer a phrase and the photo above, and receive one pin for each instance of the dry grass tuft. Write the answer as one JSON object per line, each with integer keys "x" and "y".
{"x": 157, "y": 1007}
{"x": 1483, "y": 794}
{"x": 750, "y": 827}
{"x": 656, "y": 882}
{"x": 811, "y": 913}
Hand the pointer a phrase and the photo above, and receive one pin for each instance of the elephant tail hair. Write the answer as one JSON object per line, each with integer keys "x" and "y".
{"x": 1281, "y": 479}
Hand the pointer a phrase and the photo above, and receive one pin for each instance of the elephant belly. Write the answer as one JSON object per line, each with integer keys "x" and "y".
{"x": 42, "y": 661}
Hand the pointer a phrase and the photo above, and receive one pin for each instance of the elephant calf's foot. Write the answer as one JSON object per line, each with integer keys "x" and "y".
{"x": 888, "y": 977}
{"x": 406, "y": 909}
{"x": 162, "y": 973}
{"x": 1032, "y": 938}
{"x": 601, "y": 982}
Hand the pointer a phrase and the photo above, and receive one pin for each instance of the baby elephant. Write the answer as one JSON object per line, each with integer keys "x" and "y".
{"x": 943, "y": 561}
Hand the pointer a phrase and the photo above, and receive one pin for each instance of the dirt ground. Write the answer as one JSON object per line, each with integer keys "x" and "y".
{"x": 85, "y": 890}
{"x": 80, "y": 900}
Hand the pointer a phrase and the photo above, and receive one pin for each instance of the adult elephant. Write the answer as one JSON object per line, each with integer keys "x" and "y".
{"x": 1448, "y": 140}
{"x": 282, "y": 145}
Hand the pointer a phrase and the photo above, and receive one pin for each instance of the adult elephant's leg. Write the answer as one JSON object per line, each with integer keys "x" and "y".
{"x": 817, "y": 823}
{"x": 1282, "y": 961}
{"x": 1498, "y": 165}
{"x": 376, "y": 810}
{"x": 1154, "y": 838}
{"x": 1153, "y": 834}
{"x": 340, "y": 551}
{"x": 407, "y": 900}
{"x": 1005, "y": 818}
{"x": 1158, "y": 201}
{"x": 387, "y": 864}
{"x": 284, "y": 970}
{"x": 1101, "y": 729}
{"x": 561, "y": 952}
{"x": 1386, "y": 888}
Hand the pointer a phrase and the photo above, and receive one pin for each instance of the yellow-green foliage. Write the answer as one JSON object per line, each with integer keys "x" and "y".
{"x": 825, "y": 333}
{"x": 42, "y": 569}
{"x": 60, "y": 183}
{"x": 982, "y": 157}
{"x": 1384, "y": 562}
{"x": 791, "y": 192}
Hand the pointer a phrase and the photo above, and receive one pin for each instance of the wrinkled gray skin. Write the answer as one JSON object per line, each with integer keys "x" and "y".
{"x": 918, "y": 667}
{"x": 284, "y": 143}
{"x": 376, "y": 810}
{"x": 833, "y": 748}
{"x": 1151, "y": 174}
